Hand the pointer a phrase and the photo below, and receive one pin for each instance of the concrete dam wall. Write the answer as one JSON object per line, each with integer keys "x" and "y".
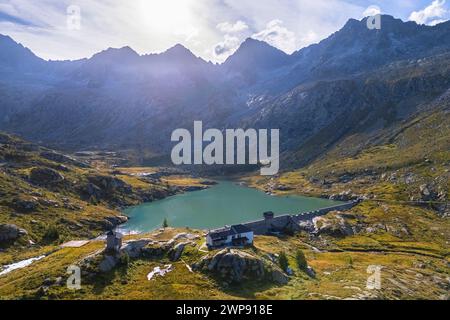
{"x": 280, "y": 223}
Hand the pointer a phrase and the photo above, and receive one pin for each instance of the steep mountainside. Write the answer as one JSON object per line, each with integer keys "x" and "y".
{"x": 357, "y": 80}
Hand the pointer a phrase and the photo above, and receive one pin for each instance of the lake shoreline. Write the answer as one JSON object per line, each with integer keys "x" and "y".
{"x": 227, "y": 202}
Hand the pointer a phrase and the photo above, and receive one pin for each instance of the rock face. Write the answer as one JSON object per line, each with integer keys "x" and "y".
{"x": 45, "y": 176}
{"x": 233, "y": 266}
{"x": 114, "y": 221}
{"x": 177, "y": 251}
{"x": 10, "y": 232}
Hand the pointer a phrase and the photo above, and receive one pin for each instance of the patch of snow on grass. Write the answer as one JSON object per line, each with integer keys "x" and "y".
{"x": 19, "y": 265}
{"x": 157, "y": 271}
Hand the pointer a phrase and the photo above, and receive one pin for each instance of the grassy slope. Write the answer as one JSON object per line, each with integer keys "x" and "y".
{"x": 73, "y": 213}
{"x": 389, "y": 173}
{"x": 339, "y": 275}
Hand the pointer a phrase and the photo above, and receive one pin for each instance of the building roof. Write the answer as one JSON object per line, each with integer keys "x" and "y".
{"x": 240, "y": 228}
{"x": 228, "y": 231}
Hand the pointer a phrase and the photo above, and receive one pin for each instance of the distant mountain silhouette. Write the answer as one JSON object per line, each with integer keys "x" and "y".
{"x": 14, "y": 57}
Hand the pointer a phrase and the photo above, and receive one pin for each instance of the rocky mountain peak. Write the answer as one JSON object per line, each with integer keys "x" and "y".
{"x": 256, "y": 55}
{"x": 116, "y": 55}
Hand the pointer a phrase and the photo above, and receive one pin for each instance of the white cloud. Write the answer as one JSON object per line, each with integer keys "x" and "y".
{"x": 234, "y": 33}
{"x": 227, "y": 47}
{"x": 277, "y": 35}
{"x": 227, "y": 27}
{"x": 435, "y": 13}
{"x": 372, "y": 11}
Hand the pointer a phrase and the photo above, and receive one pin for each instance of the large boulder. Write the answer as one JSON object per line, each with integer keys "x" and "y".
{"x": 234, "y": 266}
{"x": 10, "y": 232}
{"x": 45, "y": 176}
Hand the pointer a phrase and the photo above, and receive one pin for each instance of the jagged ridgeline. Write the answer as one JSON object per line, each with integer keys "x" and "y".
{"x": 357, "y": 81}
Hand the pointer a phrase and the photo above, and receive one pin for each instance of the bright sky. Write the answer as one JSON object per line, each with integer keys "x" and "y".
{"x": 211, "y": 29}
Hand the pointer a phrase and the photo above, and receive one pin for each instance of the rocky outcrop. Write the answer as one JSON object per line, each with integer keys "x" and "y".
{"x": 436, "y": 194}
{"x": 107, "y": 224}
{"x": 177, "y": 251}
{"x": 10, "y": 232}
{"x": 108, "y": 188}
{"x": 115, "y": 221}
{"x": 284, "y": 188}
{"x": 307, "y": 226}
{"x": 344, "y": 196}
{"x": 25, "y": 205}
{"x": 110, "y": 184}
{"x": 334, "y": 226}
{"x": 134, "y": 249}
{"x": 45, "y": 176}
{"x": 233, "y": 266}
{"x": 427, "y": 193}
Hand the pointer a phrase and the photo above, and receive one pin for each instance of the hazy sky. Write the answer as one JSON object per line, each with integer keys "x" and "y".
{"x": 212, "y": 29}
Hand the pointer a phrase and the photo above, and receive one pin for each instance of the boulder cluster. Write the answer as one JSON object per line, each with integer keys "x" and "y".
{"x": 145, "y": 248}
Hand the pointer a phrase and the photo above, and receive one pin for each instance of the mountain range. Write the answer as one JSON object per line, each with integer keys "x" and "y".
{"x": 356, "y": 82}
{"x": 364, "y": 116}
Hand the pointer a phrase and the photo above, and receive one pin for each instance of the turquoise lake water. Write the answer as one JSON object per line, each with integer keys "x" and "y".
{"x": 226, "y": 203}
